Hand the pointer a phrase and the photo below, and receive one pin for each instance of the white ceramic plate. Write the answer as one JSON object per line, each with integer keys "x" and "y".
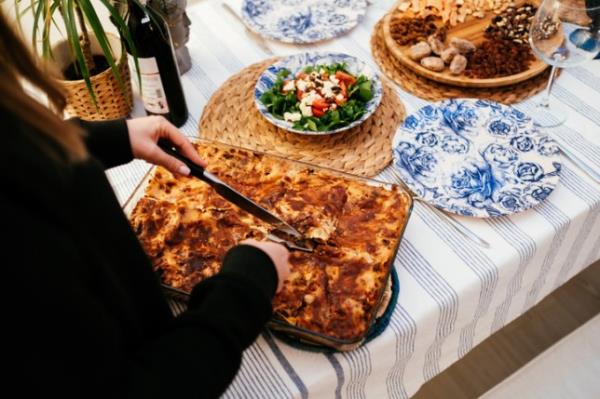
{"x": 476, "y": 158}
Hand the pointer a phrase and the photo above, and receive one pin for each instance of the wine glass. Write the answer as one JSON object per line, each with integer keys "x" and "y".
{"x": 563, "y": 33}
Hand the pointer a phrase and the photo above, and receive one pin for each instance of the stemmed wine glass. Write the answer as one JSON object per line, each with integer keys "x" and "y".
{"x": 564, "y": 33}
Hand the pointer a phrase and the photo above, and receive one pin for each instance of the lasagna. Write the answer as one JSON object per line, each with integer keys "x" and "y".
{"x": 186, "y": 228}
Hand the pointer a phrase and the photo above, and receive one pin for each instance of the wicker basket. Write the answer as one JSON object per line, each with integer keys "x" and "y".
{"x": 111, "y": 100}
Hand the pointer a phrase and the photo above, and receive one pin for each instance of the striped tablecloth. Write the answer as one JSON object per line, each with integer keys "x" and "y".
{"x": 453, "y": 294}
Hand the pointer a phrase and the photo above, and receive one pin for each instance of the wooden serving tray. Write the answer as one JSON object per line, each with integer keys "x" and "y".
{"x": 473, "y": 30}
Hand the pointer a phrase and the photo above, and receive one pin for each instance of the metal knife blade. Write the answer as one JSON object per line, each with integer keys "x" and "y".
{"x": 229, "y": 193}
{"x": 237, "y": 198}
{"x": 291, "y": 245}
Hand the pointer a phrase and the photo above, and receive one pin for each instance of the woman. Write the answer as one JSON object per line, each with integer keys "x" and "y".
{"x": 84, "y": 315}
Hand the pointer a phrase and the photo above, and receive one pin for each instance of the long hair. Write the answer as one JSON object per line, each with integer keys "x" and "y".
{"x": 18, "y": 64}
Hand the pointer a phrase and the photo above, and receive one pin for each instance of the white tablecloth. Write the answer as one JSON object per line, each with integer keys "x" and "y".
{"x": 453, "y": 294}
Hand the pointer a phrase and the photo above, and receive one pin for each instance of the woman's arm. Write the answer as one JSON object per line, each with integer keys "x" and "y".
{"x": 201, "y": 354}
{"x": 119, "y": 141}
{"x": 67, "y": 334}
{"x": 108, "y": 141}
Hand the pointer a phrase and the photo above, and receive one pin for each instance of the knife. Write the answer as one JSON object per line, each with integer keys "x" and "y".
{"x": 228, "y": 192}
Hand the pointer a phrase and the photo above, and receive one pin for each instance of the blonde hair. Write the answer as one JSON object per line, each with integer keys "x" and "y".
{"x": 17, "y": 63}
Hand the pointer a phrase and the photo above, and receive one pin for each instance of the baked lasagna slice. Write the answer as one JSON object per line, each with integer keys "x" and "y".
{"x": 186, "y": 229}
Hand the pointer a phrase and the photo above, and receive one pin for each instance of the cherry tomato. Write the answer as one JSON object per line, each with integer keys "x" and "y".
{"x": 299, "y": 94}
{"x": 344, "y": 89}
{"x": 320, "y": 103}
{"x": 344, "y": 77}
{"x": 318, "y": 112}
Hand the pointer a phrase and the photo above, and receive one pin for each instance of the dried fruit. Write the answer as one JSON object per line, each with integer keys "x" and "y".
{"x": 458, "y": 64}
{"x": 498, "y": 57}
{"x": 546, "y": 29}
{"x": 436, "y": 45}
{"x": 462, "y": 45}
{"x": 419, "y": 50}
{"x": 512, "y": 24}
{"x": 448, "y": 54}
{"x": 433, "y": 63}
{"x": 407, "y": 31}
{"x": 453, "y": 12}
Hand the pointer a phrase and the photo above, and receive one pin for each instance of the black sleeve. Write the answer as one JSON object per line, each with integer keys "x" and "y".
{"x": 108, "y": 141}
{"x": 226, "y": 314}
{"x": 63, "y": 334}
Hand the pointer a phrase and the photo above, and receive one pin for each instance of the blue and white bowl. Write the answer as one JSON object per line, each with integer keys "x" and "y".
{"x": 476, "y": 158}
{"x": 296, "y": 63}
{"x": 302, "y": 21}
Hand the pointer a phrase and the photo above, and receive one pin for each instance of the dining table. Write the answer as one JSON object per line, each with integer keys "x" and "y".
{"x": 453, "y": 293}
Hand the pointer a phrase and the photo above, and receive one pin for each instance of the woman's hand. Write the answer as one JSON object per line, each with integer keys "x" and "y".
{"x": 278, "y": 254}
{"x": 144, "y": 134}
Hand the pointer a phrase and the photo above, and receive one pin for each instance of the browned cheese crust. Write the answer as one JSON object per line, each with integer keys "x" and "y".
{"x": 186, "y": 228}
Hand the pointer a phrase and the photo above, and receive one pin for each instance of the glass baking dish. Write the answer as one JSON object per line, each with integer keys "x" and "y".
{"x": 276, "y": 323}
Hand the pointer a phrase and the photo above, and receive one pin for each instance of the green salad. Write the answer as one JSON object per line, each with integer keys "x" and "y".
{"x": 319, "y": 98}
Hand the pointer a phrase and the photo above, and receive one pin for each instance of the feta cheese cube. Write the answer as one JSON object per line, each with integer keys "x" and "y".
{"x": 289, "y": 86}
{"x": 305, "y": 109}
{"x": 327, "y": 89}
{"x": 301, "y": 84}
{"x": 306, "y": 102}
{"x": 305, "y": 85}
{"x": 334, "y": 80}
{"x": 292, "y": 116}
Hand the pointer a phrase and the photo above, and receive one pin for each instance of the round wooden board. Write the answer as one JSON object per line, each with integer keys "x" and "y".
{"x": 472, "y": 29}
{"x": 431, "y": 90}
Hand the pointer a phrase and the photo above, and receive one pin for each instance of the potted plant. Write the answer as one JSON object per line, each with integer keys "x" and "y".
{"x": 93, "y": 62}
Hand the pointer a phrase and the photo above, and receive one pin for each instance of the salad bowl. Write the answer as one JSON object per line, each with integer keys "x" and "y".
{"x": 318, "y": 93}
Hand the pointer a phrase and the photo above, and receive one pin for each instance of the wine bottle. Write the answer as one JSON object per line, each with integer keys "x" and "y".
{"x": 161, "y": 89}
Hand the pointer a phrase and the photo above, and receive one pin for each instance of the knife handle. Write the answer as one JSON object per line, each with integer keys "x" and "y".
{"x": 195, "y": 169}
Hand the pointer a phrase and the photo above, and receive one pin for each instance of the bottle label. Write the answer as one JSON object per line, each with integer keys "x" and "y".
{"x": 152, "y": 91}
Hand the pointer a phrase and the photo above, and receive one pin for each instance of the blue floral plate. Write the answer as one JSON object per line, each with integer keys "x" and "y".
{"x": 297, "y": 62}
{"x": 476, "y": 158}
{"x": 302, "y": 21}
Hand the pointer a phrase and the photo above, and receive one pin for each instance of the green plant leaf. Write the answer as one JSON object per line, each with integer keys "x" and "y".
{"x": 23, "y": 11}
{"x": 37, "y": 12}
{"x": 118, "y": 20}
{"x": 96, "y": 25}
{"x": 61, "y": 4}
{"x": 59, "y": 31}
{"x": 18, "y": 14}
{"x": 73, "y": 36}
{"x": 46, "y": 47}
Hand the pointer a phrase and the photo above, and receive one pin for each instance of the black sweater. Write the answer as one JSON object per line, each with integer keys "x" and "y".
{"x": 83, "y": 313}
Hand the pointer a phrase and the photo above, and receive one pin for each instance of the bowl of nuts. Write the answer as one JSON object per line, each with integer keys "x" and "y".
{"x": 468, "y": 43}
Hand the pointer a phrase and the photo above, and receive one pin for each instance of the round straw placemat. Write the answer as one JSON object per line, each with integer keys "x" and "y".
{"x": 231, "y": 117}
{"x": 431, "y": 90}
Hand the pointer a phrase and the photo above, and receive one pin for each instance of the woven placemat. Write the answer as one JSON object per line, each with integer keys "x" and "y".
{"x": 231, "y": 117}
{"x": 431, "y": 90}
